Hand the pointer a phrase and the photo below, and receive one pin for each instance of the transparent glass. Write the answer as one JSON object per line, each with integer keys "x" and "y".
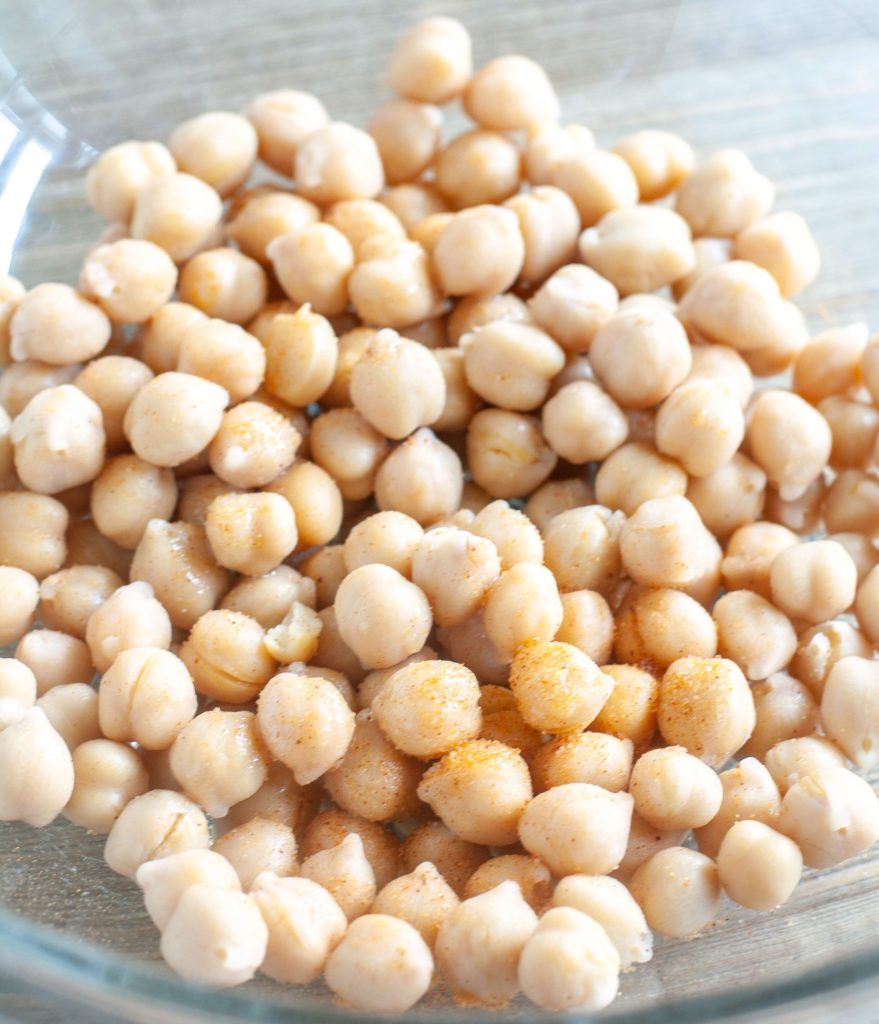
{"x": 795, "y": 84}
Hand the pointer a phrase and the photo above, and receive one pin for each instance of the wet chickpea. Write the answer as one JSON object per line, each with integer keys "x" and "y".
{"x": 262, "y": 217}
{"x": 422, "y": 477}
{"x": 226, "y": 656}
{"x": 107, "y": 777}
{"x": 477, "y": 167}
{"x": 315, "y": 499}
{"x": 127, "y": 495}
{"x": 251, "y": 533}
{"x": 179, "y": 213}
{"x": 335, "y": 162}
{"x": 678, "y": 890}
{"x": 659, "y": 161}
{"x": 116, "y": 178}
{"x": 72, "y": 710}
{"x": 37, "y": 770}
{"x": 783, "y": 244}
{"x": 163, "y": 335}
{"x": 592, "y": 757}
{"x": 724, "y": 195}
{"x": 480, "y": 251}
{"x": 282, "y": 120}
{"x": 784, "y": 709}
{"x": 507, "y": 452}
{"x": 432, "y": 61}
{"x": 219, "y": 147}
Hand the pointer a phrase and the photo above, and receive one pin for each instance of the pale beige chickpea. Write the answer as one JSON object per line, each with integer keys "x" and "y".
{"x": 593, "y": 757}
{"x": 480, "y": 251}
{"x": 86, "y": 545}
{"x": 475, "y": 311}
{"x": 326, "y": 568}
{"x": 32, "y": 532}
{"x": 389, "y": 538}
{"x": 164, "y": 881}
{"x": 461, "y": 401}
{"x": 18, "y": 691}
{"x": 381, "y": 616}
{"x": 335, "y": 162}
{"x": 112, "y": 382}
{"x": 301, "y": 355}
{"x": 510, "y": 365}
{"x": 282, "y": 119}
{"x": 345, "y": 872}
{"x": 162, "y": 336}
{"x": 280, "y": 799}
{"x": 349, "y": 449}
{"x": 218, "y": 147}
{"x": 55, "y": 658}
{"x": 708, "y": 253}
{"x": 154, "y": 825}
{"x": 255, "y": 443}
{"x": 550, "y": 224}
{"x": 573, "y": 304}
{"x": 852, "y": 503}
{"x": 644, "y": 842}
{"x": 130, "y": 279}
{"x": 561, "y": 827}
{"x": 479, "y": 790}
{"x": 414, "y": 202}
{"x": 130, "y": 617}
{"x": 867, "y": 606}
{"x": 259, "y": 217}
{"x": 813, "y": 581}
{"x": 587, "y": 624}
{"x": 507, "y": 453}
{"x": 305, "y": 924}
{"x": 855, "y": 429}
{"x": 789, "y": 337}
{"x": 432, "y": 61}
{"x": 701, "y": 424}
{"x": 532, "y": 877}
{"x": 729, "y": 498}
{"x": 422, "y": 898}
{"x": 225, "y": 354}
{"x": 516, "y": 538}
{"x": 407, "y": 134}
{"x": 706, "y": 706}
{"x": 674, "y": 790}
{"x": 658, "y": 159}
{"x": 422, "y": 477}
{"x": 829, "y": 364}
{"x": 523, "y": 604}
{"x": 19, "y": 597}
{"x": 251, "y": 533}
{"x": 470, "y": 645}
{"x": 870, "y": 367}
{"x": 640, "y": 357}
{"x": 554, "y": 497}
{"x": 22, "y": 381}
{"x": 392, "y": 283}
{"x": 821, "y": 647}
{"x": 846, "y": 710}
{"x": 179, "y": 212}
{"x": 607, "y": 901}
{"x": 455, "y": 570}
{"x": 831, "y": 814}
{"x": 477, "y": 167}
{"x": 313, "y": 266}
{"x": 582, "y": 423}
{"x": 598, "y": 181}
{"x": 749, "y": 794}
{"x": 58, "y": 440}
{"x": 750, "y": 554}
{"x": 129, "y": 493}
{"x": 754, "y": 634}
{"x": 758, "y": 867}
{"x": 351, "y": 346}
{"x": 510, "y": 93}
{"x": 37, "y": 770}
{"x": 382, "y": 848}
{"x": 427, "y": 231}
{"x": 107, "y": 777}
{"x": 113, "y": 182}
{"x": 455, "y": 859}
{"x": 723, "y": 195}
{"x": 722, "y": 364}
{"x": 636, "y": 473}
{"x": 664, "y": 544}
{"x": 783, "y": 244}
{"x": 72, "y": 710}
{"x": 785, "y": 709}
{"x": 548, "y": 144}
{"x": 367, "y": 224}
{"x": 630, "y": 710}
{"x": 174, "y": 417}
{"x": 315, "y": 499}
{"x": 657, "y": 626}
{"x": 225, "y": 284}
{"x": 791, "y": 760}
{"x": 226, "y": 656}
{"x": 678, "y": 890}
{"x": 176, "y": 560}
{"x": 56, "y": 324}
{"x": 297, "y": 637}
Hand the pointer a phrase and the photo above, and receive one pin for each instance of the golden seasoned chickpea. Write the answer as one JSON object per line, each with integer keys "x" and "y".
{"x": 338, "y": 161}
{"x": 422, "y": 898}
{"x": 57, "y": 325}
{"x": 112, "y": 382}
{"x": 814, "y": 581}
{"x": 479, "y": 791}
{"x": 701, "y": 424}
{"x": 573, "y": 304}
{"x": 129, "y": 279}
{"x": 480, "y": 251}
{"x": 592, "y": 757}
{"x": 178, "y": 212}
{"x": 846, "y": 710}
{"x": 831, "y": 815}
{"x": 19, "y": 597}
{"x": 640, "y": 357}
{"x": 657, "y": 626}
{"x": 72, "y": 710}
{"x": 455, "y": 569}
{"x": 724, "y": 195}
{"x": 523, "y": 604}
{"x": 37, "y": 770}
{"x": 750, "y": 554}
{"x": 659, "y": 161}
{"x": 382, "y": 848}
{"x": 561, "y": 826}
{"x": 550, "y": 224}
{"x": 315, "y": 499}
{"x": 855, "y": 429}
{"x": 18, "y": 691}
{"x": 432, "y": 61}
{"x": 127, "y": 495}
{"x": 783, "y": 244}
{"x": 532, "y": 877}
{"x": 582, "y": 423}
{"x": 162, "y": 337}
{"x": 107, "y": 777}
{"x": 598, "y": 182}
{"x": 251, "y": 533}
{"x": 218, "y": 147}
{"x": 785, "y": 709}
{"x": 226, "y": 354}
{"x": 821, "y": 647}
{"x": 867, "y": 605}
{"x": 226, "y": 656}
{"x": 636, "y": 473}
{"x": 174, "y": 417}
{"x": 749, "y": 794}
{"x": 664, "y": 544}
{"x": 86, "y": 545}
{"x": 422, "y": 477}
{"x": 326, "y": 568}
{"x": 54, "y": 658}
{"x": 164, "y": 881}
{"x": 32, "y": 532}
{"x": 262, "y": 216}
{"x": 507, "y": 453}
{"x": 455, "y": 859}
{"x": 630, "y": 710}
{"x": 754, "y": 634}
{"x": 706, "y": 706}
{"x": 392, "y": 284}
{"x": 510, "y": 364}
{"x": 253, "y": 445}
{"x": 674, "y": 790}
{"x": 414, "y": 202}
{"x": 176, "y": 560}
{"x": 58, "y": 440}
{"x": 509, "y": 93}
{"x": 678, "y": 890}
{"x": 345, "y": 872}
{"x": 116, "y": 178}
{"x": 224, "y": 283}
{"x": 154, "y": 825}
{"x": 282, "y": 119}
{"x": 478, "y": 167}
{"x": 729, "y": 498}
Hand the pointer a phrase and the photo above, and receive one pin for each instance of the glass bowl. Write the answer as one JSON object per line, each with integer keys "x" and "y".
{"x": 796, "y": 85}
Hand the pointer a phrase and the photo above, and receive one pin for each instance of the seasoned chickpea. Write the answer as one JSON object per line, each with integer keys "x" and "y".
{"x": 678, "y": 890}
{"x": 297, "y": 637}
{"x": 422, "y": 477}
{"x": 785, "y": 709}
{"x": 127, "y": 494}
{"x": 478, "y": 167}
{"x": 724, "y": 195}
{"x": 561, "y": 827}
{"x": 657, "y": 626}
{"x": 32, "y": 533}
{"x": 701, "y": 424}
{"x": 754, "y": 634}
{"x": 573, "y": 304}
{"x": 113, "y": 182}
{"x": 174, "y": 417}
{"x": 659, "y": 161}
{"x": 282, "y": 120}
{"x": 218, "y": 147}
{"x": 72, "y": 710}
{"x": 19, "y": 597}
{"x": 553, "y": 498}
{"x": 37, "y": 770}
{"x": 315, "y": 499}
{"x": 507, "y": 453}
{"x": 226, "y": 655}
{"x": 253, "y": 445}
{"x": 178, "y": 212}
{"x": 455, "y": 569}
{"x": 58, "y": 440}
{"x": 510, "y": 365}
{"x": 392, "y": 284}
{"x": 257, "y": 846}
{"x": 54, "y": 658}
{"x": 750, "y": 554}
{"x": 630, "y": 710}
{"x": 382, "y": 848}
{"x": 164, "y": 881}
{"x": 582, "y": 548}
{"x": 609, "y": 903}
{"x": 813, "y": 581}
{"x": 523, "y": 604}
{"x": 455, "y": 859}
{"x": 731, "y": 497}
{"x": 156, "y": 824}
{"x": 349, "y": 449}
{"x": 55, "y": 324}
{"x": 432, "y": 61}
{"x": 480, "y": 251}
{"x": 131, "y": 617}
{"x": 674, "y": 790}
{"x": 262, "y": 216}
{"x": 636, "y": 473}
{"x": 107, "y": 777}
{"x": 591, "y": 757}
{"x": 18, "y": 691}
{"x": 335, "y": 162}
{"x": 345, "y": 872}
{"x": 301, "y": 354}
{"x": 791, "y": 760}
{"x": 414, "y": 202}
{"x": 251, "y": 533}
{"x": 705, "y": 705}
{"x": 550, "y": 224}
{"x": 587, "y": 624}
{"x": 532, "y": 877}
{"x": 129, "y": 279}
{"x": 225, "y": 354}
{"x": 598, "y": 182}
{"x": 224, "y": 283}
{"x": 162, "y": 337}
{"x": 831, "y": 815}
{"x": 640, "y": 357}
{"x": 867, "y": 606}
{"x": 422, "y": 898}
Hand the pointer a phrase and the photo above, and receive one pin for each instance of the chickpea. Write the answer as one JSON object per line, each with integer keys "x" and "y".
{"x": 19, "y": 597}
{"x": 555, "y": 497}
{"x": 636, "y": 473}
{"x": 791, "y": 760}
{"x": 422, "y": 898}
{"x": 785, "y": 709}
{"x": 783, "y": 244}
{"x": 659, "y": 161}
{"x": 164, "y": 881}
{"x": 754, "y": 634}
{"x": 583, "y": 424}
{"x": 480, "y": 251}
{"x": 345, "y": 873}
{"x": 32, "y": 529}
{"x": 279, "y": 799}
{"x": 609, "y": 903}
{"x": 130, "y": 617}
{"x": 582, "y": 548}
{"x": 758, "y": 867}
{"x": 251, "y": 533}
{"x": 262, "y": 216}
{"x": 226, "y": 655}
{"x": 674, "y": 790}
{"x": 391, "y": 284}
{"x": 422, "y": 478}
{"x": 515, "y": 537}
{"x": 846, "y": 710}
{"x": 455, "y": 859}
{"x": 708, "y": 253}
{"x": 478, "y": 167}
{"x": 870, "y": 367}
{"x": 313, "y": 265}
{"x": 645, "y": 841}
{"x": 573, "y": 304}
{"x": 297, "y": 637}
{"x": 852, "y": 503}
{"x": 382, "y": 848}
{"x": 225, "y": 354}
{"x": 113, "y": 182}
{"x": 414, "y": 202}
{"x": 455, "y": 571}
{"x": 750, "y": 554}
{"x": 107, "y": 777}
{"x": 129, "y": 493}
{"x": 315, "y": 499}
{"x": 507, "y": 452}
{"x": 57, "y": 325}
{"x": 12, "y": 291}
{"x": 814, "y": 581}
{"x": 630, "y": 710}
{"x": 587, "y": 624}
{"x": 112, "y": 382}
{"x": 326, "y": 569}
{"x": 547, "y": 145}
{"x": 72, "y": 710}
{"x": 702, "y": 425}
{"x": 37, "y": 770}
{"x": 829, "y": 364}
{"x": 749, "y": 794}
{"x": 253, "y": 445}
{"x": 335, "y": 162}
{"x": 54, "y": 658}
{"x": 522, "y": 604}
{"x": 821, "y": 647}
{"x": 592, "y": 757}
{"x": 155, "y": 824}
{"x": 598, "y": 181}
{"x": 256, "y": 847}
{"x": 657, "y": 626}
{"x": 18, "y": 691}
{"x": 219, "y": 147}
{"x": 178, "y": 212}
{"x": 349, "y": 449}
{"x": 282, "y": 120}
{"x": 678, "y": 890}
{"x": 550, "y": 224}
{"x": 224, "y": 283}
{"x": 866, "y": 605}
{"x": 724, "y": 195}
{"x": 129, "y": 279}
{"x": 432, "y": 61}
{"x": 510, "y": 364}
{"x": 470, "y": 645}
{"x": 162, "y": 337}
{"x": 86, "y": 545}
{"x": 854, "y": 426}
{"x": 475, "y": 311}
{"x": 729, "y": 498}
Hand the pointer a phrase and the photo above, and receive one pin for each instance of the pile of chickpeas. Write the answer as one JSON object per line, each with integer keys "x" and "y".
{"x": 463, "y": 613}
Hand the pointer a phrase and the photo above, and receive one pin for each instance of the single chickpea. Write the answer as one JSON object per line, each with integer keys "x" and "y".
{"x": 561, "y": 827}
{"x": 636, "y": 473}
{"x": 855, "y": 429}
{"x": 260, "y": 217}
{"x": 749, "y": 794}
{"x": 665, "y": 544}
{"x": 297, "y": 637}
{"x": 215, "y": 937}
{"x": 480, "y": 943}
{"x": 791, "y": 760}
{"x": 852, "y": 503}
{"x": 598, "y": 182}
{"x": 224, "y": 283}
{"x": 573, "y": 304}
{"x": 587, "y": 624}
{"x": 674, "y": 790}
{"x": 708, "y": 253}
{"x": 19, "y": 597}
{"x": 630, "y": 710}
{"x": 455, "y": 859}
{"x": 37, "y": 770}
{"x": 455, "y": 570}
{"x": 723, "y": 195}
{"x": 179, "y": 213}
{"x": 480, "y": 251}
{"x": 758, "y": 867}
{"x": 164, "y": 881}
{"x": 12, "y": 291}
{"x": 129, "y": 279}
{"x": 54, "y": 658}
{"x": 375, "y": 680}
{"x": 58, "y": 440}
{"x": 461, "y": 402}
{"x": 116, "y": 178}
{"x": 253, "y": 445}
{"x": 218, "y": 147}
{"x": 32, "y": 533}
{"x": 225, "y": 354}
{"x": 515, "y": 537}
{"x": 803, "y": 514}
{"x": 18, "y": 691}
{"x": 432, "y": 61}
{"x": 347, "y": 875}
{"x": 582, "y": 423}
{"x": 783, "y": 244}
{"x": 313, "y": 266}
{"x": 155, "y": 824}
{"x": 301, "y": 355}
{"x": 478, "y": 167}
{"x": 523, "y": 604}
{"x": 129, "y": 493}
{"x": 659, "y": 161}
{"x": 386, "y": 538}
{"x": 414, "y": 202}
{"x": 392, "y": 284}
{"x": 507, "y": 453}
{"x": 57, "y": 325}
{"x": 555, "y": 497}
{"x": 86, "y": 545}
{"x": 279, "y": 799}
{"x": 422, "y": 477}
{"x": 846, "y": 710}
{"x": 282, "y": 119}
{"x": 701, "y": 424}
{"x": 550, "y": 224}
{"x": 582, "y": 548}
{"x": 349, "y": 449}
{"x": 422, "y": 898}
{"x": 866, "y": 605}
{"x": 407, "y": 134}
{"x": 326, "y": 568}
{"x": 382, "y": 848}
{"x": 470, "y": 645}
{"x": 706, "y": 706}
{"x": 592, "y": 757}
{"x": 305, "y": 924}
{"x": 832, "y": 815}
{"x": 785, "y": 709}
{"x": 821, "y": 647}
{"x": 754, "y": 634}
{"x": 729, "y": 498}
{"x": 678, "y": 890}
{"x": 509, "y": 93}
{"x": 658, "y": 626}
{"x": 750, "y": 554}
{"x": 162, "y": 337}
{"x": 829, "y": 364}
{"x": 547, "y": 145}
{"x": 130, "y": 617}
{"x": 640, "y": 357}
{"x": 338, "y": 161}
{"x": 813, "y": 581}
{"x": 511, "y": 365}
{"x": 723, "y": 365}
{"x": 177, "y": 561}
{"x": 369, "y": 226}
{"x": 227, "y": 657}
{"x": 609, "y": 903}
{"x": 112, "y": 382}
{"x": 315, "y": 499}
{"x": 251, "y": 533}
{"x": 107, "y": 777}
{"x": 259, "y": 846}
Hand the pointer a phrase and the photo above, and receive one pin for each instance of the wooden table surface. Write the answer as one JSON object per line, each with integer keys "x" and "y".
{"x": 795, "y": 83}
